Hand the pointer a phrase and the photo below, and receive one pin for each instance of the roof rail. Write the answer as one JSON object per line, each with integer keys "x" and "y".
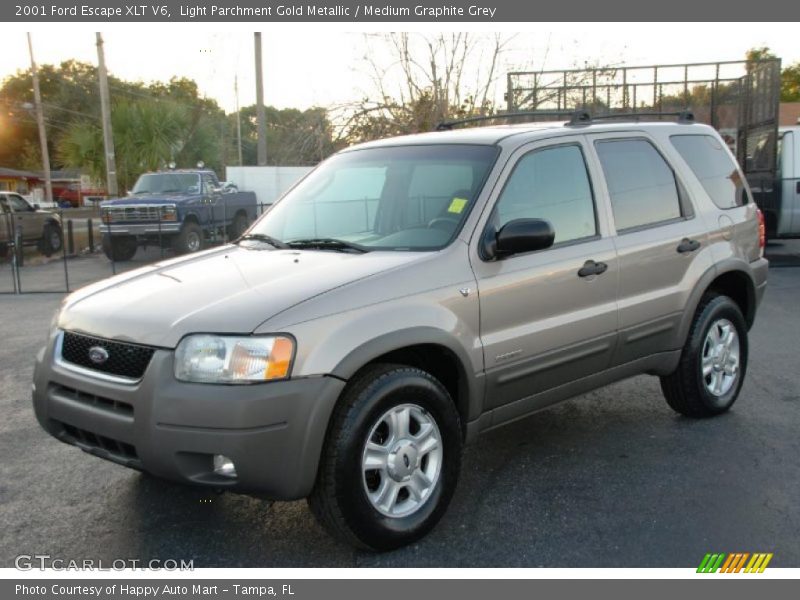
{"x": 572, "y": 114}
{"x": 683, "y": 116}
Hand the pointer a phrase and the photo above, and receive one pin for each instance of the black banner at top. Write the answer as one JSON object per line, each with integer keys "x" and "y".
{"x": 447, "y": 11}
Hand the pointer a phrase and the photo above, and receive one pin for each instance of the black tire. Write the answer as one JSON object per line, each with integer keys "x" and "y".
{"x": 686, "y": 388}
{"x": 190, "y": 239}
{"x": 52, "y": 239}
{"x": 339, "y": 500}
{"x": 119, "y": 248}
{"x": 238, "y": 227}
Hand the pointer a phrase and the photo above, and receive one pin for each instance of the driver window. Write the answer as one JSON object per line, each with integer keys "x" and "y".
{"x": 552, "y": 184}
{"x": 208, "y": 185}
{"x": 18, "y": 204}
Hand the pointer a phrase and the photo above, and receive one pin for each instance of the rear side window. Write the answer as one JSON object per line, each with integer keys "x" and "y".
{"x": 714, "y": 167}
{"x": 550, "y": 184}
{"x": 641, "y": 184}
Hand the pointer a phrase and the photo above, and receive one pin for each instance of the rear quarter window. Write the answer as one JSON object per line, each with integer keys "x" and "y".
{"x": 714, "y": 167}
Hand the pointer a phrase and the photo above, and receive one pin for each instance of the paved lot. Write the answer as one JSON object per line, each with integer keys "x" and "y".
{"x": 612, "y": 478}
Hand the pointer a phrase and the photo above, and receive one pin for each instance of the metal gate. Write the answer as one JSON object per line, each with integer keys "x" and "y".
{"x": 738, "y": 98}
{"x": 757, "y": 141}
{"x": 28, "y": 265}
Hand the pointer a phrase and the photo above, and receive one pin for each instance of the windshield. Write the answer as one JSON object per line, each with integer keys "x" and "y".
{"x": 167, "y": 183}
{"x": 400, "y": 198}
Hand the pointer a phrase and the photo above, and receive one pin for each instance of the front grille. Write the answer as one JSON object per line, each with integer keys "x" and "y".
{"x": 118, "y": 450}
{"x": 124, "y": 359}
{"x": 107, "y": 404}
{"x": 125, "y": 214}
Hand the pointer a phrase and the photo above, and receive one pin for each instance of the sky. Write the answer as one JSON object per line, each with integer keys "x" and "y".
{"x": 324, "y": 65}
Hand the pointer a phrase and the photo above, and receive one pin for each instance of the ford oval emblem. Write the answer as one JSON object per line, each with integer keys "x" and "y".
{"x": 98, "y": 355}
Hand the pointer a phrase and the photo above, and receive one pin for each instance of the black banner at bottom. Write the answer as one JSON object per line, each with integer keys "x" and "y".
{"x": 706, "y": 586}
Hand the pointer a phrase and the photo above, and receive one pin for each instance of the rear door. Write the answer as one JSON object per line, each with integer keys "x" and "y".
{"x": 542, "y": 323}
{"x": 659, "y": 240}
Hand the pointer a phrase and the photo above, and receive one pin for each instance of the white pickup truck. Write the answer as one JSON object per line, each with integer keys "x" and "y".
{"x": 783, "y": 219}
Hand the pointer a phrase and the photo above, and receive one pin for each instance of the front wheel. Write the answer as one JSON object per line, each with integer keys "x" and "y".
{"x": 52, "y": 239}
{"x": 713, "y": 362}
{"x": 391, "y": 459}
{"x": 119, "y": 248}
{"x": 190, "y": 239}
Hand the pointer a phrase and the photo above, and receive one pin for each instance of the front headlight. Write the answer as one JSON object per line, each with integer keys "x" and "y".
{"x": 205, "y": 358}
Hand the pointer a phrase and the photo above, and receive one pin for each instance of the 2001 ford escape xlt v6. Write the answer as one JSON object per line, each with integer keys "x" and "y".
{"x": 406, "y": 296}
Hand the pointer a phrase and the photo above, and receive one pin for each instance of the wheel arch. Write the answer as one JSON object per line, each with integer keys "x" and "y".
{"x": 731, "y": 278}
{"x": 191, "y": 218}
{"x": 426, "y": 348}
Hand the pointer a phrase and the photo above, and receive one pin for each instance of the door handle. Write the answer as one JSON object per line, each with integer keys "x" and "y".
{"x": 687, "y": 245}
{"x": 590, "y": 268}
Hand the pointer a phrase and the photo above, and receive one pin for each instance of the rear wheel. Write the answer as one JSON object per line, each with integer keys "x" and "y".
{"x": 391, "y": 459}
{"x": 713, "y": 362}
{"x": 238, "y": 227}
{"x": 190, "y": 239}
{"x": 119, "y": 248}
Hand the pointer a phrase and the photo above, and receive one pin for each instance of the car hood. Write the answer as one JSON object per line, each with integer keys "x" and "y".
{"x": 225, "y": 290}
{"x": 148, "y": 199}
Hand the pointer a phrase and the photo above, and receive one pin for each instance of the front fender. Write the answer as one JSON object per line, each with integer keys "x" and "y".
{"x": 340, "y": 344}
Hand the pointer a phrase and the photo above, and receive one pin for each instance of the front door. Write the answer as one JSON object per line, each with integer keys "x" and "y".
{"x": 26, "y": 218}
{"x": 546, "y": 318}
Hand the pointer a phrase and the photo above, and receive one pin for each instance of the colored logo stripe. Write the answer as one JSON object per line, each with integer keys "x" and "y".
{"x": 758, "y": 563}
{"x": 734, "y": 563}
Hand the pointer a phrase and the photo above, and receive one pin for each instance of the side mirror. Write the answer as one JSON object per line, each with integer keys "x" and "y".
{"x": 519, "y": 236}
{"x": 36, "y": 206}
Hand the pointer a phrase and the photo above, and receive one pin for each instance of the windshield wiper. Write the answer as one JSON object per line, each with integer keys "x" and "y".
{"x": 327, "y": 244}
{"x": 261, "y": 237}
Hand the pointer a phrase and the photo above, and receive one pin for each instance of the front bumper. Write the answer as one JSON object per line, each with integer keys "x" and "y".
{"x": 141, "y": 229}
{"x": 273, "y": 432}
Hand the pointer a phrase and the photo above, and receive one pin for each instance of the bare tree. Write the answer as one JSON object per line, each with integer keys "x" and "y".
{"x": 418, "y": 80}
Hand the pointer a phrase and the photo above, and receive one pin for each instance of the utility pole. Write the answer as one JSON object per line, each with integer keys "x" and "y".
{"x": 261, "y": 117}
{"x": 37, "y": 98}
{"x": 105, "y": 109}
{"x": 238, "y": 117}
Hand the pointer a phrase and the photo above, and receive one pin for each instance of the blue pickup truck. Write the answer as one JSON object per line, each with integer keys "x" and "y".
{"x": 184, "y": 209}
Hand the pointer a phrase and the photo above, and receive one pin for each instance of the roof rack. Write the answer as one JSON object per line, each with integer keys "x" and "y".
{"x": 585, "y": 118}
{"x": 576, "y": 117}
{"x": 448, "y": 125}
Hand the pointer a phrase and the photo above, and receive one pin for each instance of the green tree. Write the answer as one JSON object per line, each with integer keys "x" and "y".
{"x": 70, "y": 100}
{"x": 294, "y": 137}
{"x": 790, "y": 76}
{"x": 790, "y": 83}
{"x": 148, "y": 134}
